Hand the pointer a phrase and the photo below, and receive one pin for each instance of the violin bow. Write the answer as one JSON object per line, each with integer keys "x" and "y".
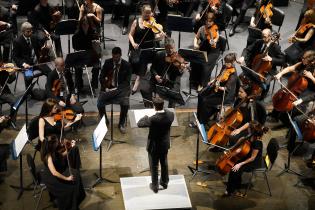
{"x": 5, "y": 83}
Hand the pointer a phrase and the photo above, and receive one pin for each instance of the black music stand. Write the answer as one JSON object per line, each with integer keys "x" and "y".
{"x": 180, "y": 24}
{"x": 287, "y": 166}
{"x": 193, "y": 56}
{"x": 67, "y": 27}
{"x": 82, "y": 58}
{"x": 15, "y": 156}
{"x": 201, "y": 131}
{"x": 23, "y": 98}
{"x": 168, "y": 94}
{"x": 254, "y": 76}
{"x": 111, "y": 139}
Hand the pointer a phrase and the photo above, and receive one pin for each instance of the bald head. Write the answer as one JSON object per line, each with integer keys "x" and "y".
{"x": 266, "y": 35}
{"x": 60, "y": 64}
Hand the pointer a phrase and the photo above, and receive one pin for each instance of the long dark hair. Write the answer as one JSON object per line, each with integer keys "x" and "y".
{"x": 47, "y": 107}
{"x": 49, "y": 147}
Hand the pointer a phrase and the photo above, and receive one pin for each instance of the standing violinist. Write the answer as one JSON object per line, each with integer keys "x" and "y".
{"x": 224, "y": 87}
{"x": 60, "y": 86}
{"x": 274, "y": 55}
{"x": 251, "y": 161}
{"x": 303, "y": 39}
{"x": 115, "y": 86}
{"x": 207, "y": 40}
{"x": 306, "y": 69}
{"x": 142, "y": 37}
{"x": 165, "y": 71}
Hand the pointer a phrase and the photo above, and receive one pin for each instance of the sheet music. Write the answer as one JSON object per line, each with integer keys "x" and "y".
{"x": 19, "y": 142}
{"x": 99, "y": 134}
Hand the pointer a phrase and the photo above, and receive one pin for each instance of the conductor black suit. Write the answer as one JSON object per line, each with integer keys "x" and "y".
{"x": 158, "y": 144}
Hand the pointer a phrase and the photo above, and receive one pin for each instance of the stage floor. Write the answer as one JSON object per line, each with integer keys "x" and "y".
{"x": 130, "y": 160}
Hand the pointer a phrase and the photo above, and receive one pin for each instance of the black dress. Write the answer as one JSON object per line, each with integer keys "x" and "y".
{"x": 69, "y": 194}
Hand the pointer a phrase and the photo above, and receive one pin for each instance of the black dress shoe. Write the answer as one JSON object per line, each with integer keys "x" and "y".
{"x": 232, "y": 32}
{"x": 163, "y": 185}
{"x": 124, "y": 31}
{"x": 154, "y": 188}
{"x": 122, "y": 129}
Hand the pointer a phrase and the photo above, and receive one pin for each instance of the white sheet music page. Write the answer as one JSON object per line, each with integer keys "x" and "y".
{"x": 99, "y": 134}
{"x": 20, "y": 142}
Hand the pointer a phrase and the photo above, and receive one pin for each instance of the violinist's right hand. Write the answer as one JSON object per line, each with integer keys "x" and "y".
{"x": 235, "y": 132}
{"x": 196, "y": 46}
{"x": 70, "y": 178}
{"x": 292, "y": 39}
{"x": 240, "y": 60}
{"x": 135, "y": 46}
{"x": 26, "y": 66}
{"x": 78, "y": 117}
{"x": 253, "y": 25}
{"x": 198, "y": 17}
{"x": 158, "y": 78}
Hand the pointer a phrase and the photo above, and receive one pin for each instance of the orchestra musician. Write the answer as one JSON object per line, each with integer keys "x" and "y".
{"x": 60, "y": 86}
{"x": 274, "y": 55}
{"x": 308, "y": 4}
{"x": 224, "y": 87}
{"x": 158, "y": 142}
{"x": 63, "y": 182}
{"x": 87, "y": 37}
{"x": 44, "y": 19}
{"x": 141, "y": 37}
{"x": 216, "y": 7}
{"x": 124, "y": 6}
{"x": 115, "y": 86}
{"x": 27, "y": 51}
{"x": 304, "y": 68}
{"x": 166, "y": 70}
{"x": 8, "y": 28}
{"x": 303, "y": 39}
{"x": 246, "y": 108}
{"x": 251, "y": 161}
{"x": 6, "y": 95}
{"x": 244, "y": 6}
{"x": 207, "y": 39}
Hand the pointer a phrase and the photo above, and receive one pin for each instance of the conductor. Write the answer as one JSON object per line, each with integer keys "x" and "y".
{"x": 158, "y": 142}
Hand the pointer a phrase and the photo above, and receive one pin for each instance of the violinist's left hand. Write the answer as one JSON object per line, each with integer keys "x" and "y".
{"x": 221, "y": 88}
{"x": 73, "y": 99}
{"x": 72, "y": 143}
{"x": 267, "y": 58}
{"x": 237, "y": 167}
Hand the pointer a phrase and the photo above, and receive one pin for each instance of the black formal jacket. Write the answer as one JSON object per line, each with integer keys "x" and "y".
{"x": 274, "y": 52}
{"x": 53, "y": 76}
{"x": 22, "y": 52}
{"x": 159, "y": 133}
{"x": 124, "y": 74}
{"x": 3, "y": 77}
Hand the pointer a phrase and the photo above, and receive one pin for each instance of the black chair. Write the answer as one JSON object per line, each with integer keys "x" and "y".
{"x": 267, "y": 163}
{"x": 277, "y": 17}
{"x": 39, "y": 187}
{"x": 228, "y": 11}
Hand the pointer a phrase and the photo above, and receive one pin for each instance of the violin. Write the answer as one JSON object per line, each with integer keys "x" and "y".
{"x": 266, "y": 11}
{"x": 67, "y": 114}
{"x": 64, "y": 145}
{"x": 302, "y": 29}
{"x": 9, "y": 67}
{"x": 212, "y": 34}
{"x": 284, "y": 98}
{"x": 177, "y": 60}
{"x": 153, "y": 25}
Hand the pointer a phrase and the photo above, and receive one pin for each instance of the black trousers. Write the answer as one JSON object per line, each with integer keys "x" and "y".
{"x": 79, "y": 77}
{"x": 235, "y": 178}
{"x": 117, "y": 96}
{"x": 292, "y": 134}
{"x": 154, "y": 159}
{"x": 244, "y": 6}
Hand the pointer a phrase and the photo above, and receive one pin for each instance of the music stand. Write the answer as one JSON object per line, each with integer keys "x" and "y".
{"x": 193, "y": 56}
{"x": 23, "y": 98}
{"x": 287, "y": 166}
{"x": 16, "y": 147}
{"x": 201, "y": 131}
{"x": 180, "y": 24}
{"x": 168, "y": 94}
{"x": 97, "y": 138}
{"x": 254, "y": 76}
{"x": 66, "y": 27}
{"x": 82, "y": 58}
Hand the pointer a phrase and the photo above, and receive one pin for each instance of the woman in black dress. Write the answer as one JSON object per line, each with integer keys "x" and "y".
{"x": 63, "y": 182}
{"x": 141, "y": 37}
